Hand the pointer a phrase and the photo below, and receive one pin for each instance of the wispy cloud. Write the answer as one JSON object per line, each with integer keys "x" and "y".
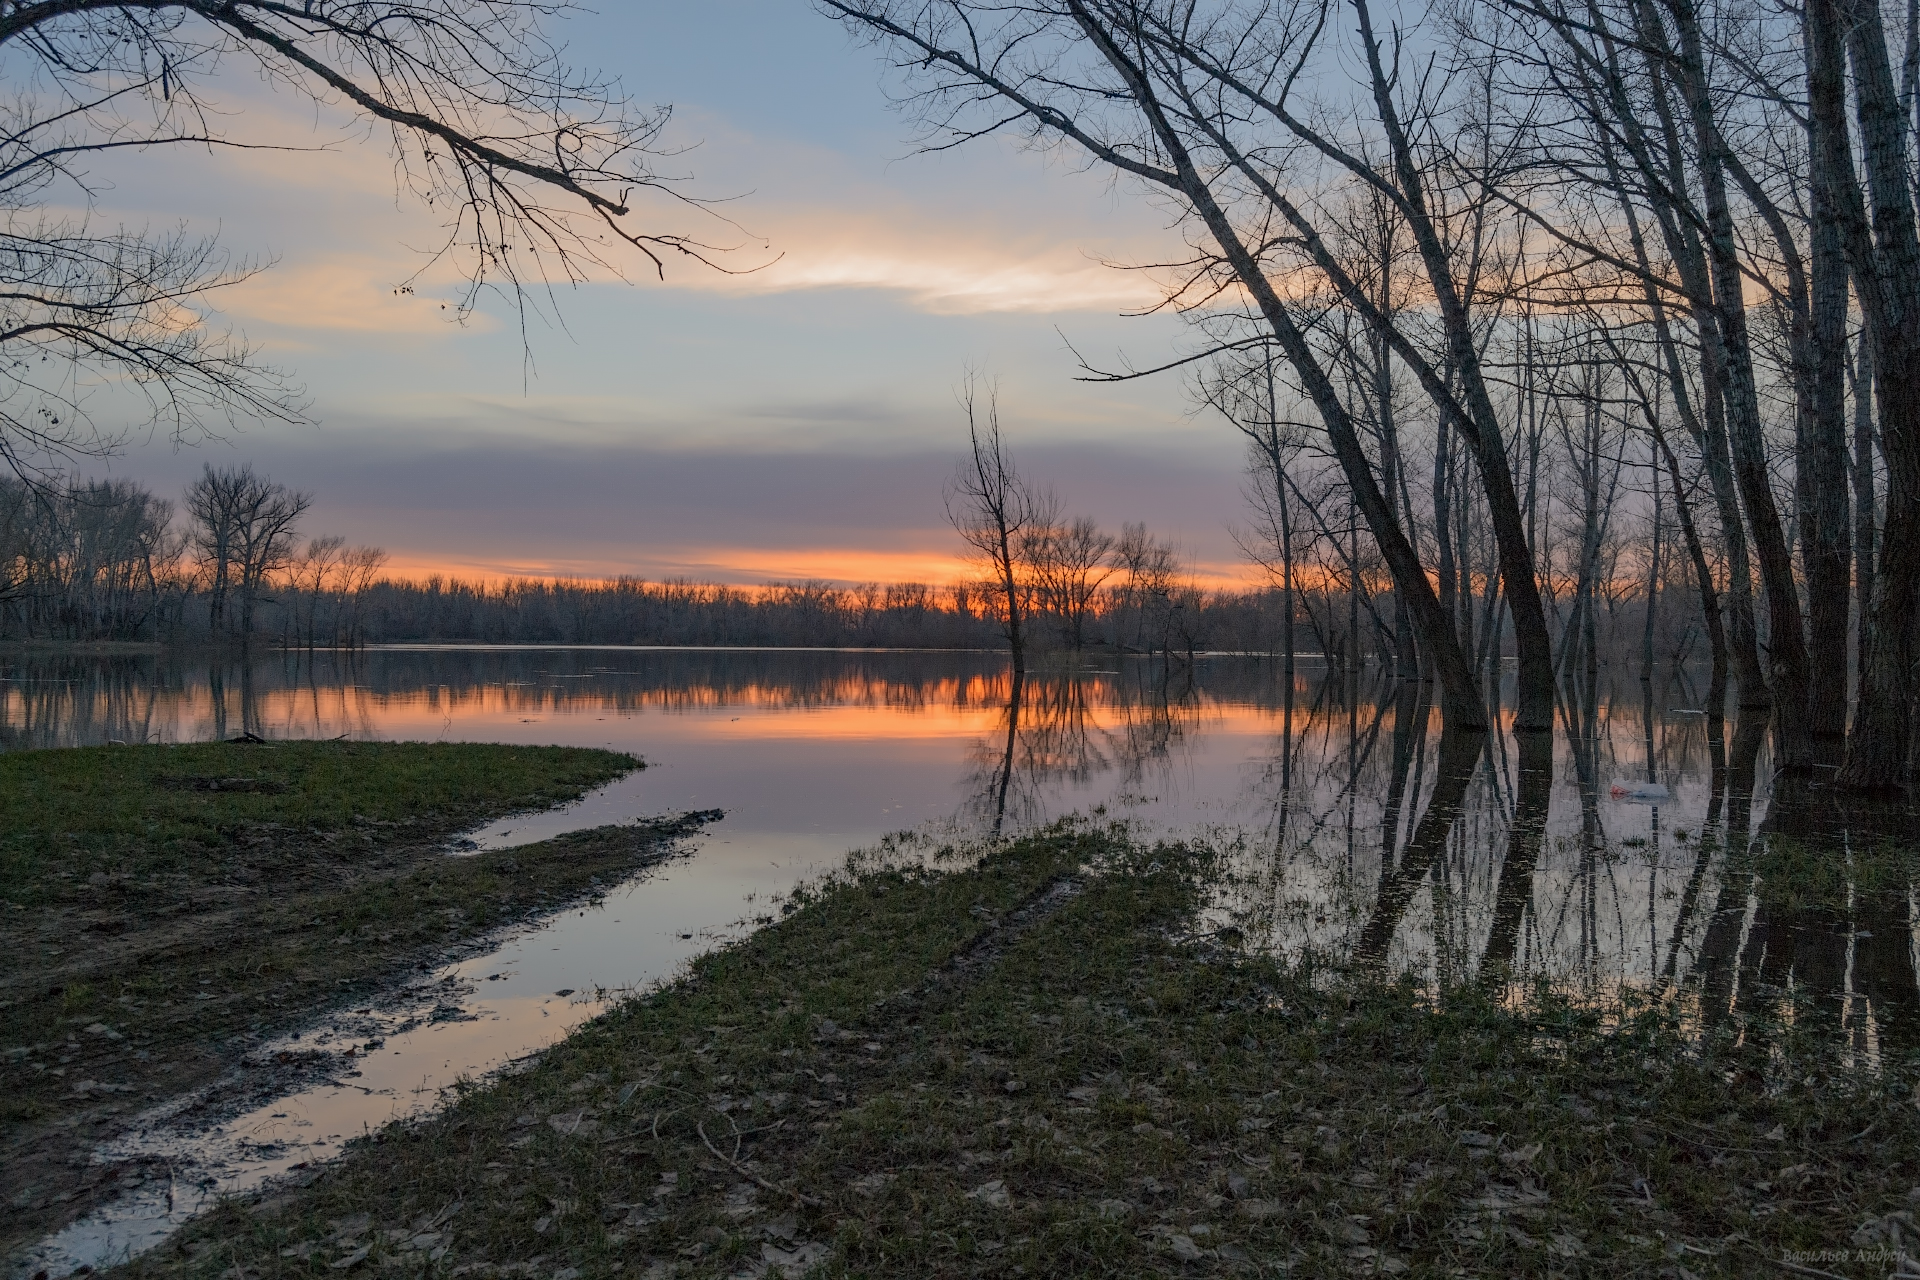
{"x": 941, "y": 266}
{"x": 348, "y": 293}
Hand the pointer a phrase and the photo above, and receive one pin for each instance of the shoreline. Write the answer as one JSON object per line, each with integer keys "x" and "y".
{"x": 170, "y": 908}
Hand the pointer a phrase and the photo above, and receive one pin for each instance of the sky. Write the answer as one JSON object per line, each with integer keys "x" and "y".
{"x": 795, "y": 421}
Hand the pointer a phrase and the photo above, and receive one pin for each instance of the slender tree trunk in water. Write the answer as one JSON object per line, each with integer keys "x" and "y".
{"x": 1653, "y": 593}
{"x": 1709, "y": 595}
{"x": 1010, "y": 584}
{"x": 1354, "y": 659}
{"x": 1787, "y": 640}
{"x": 1887, "y": 276}
{"x": 1180, "y": 172}
{"x": 1286, "y": 570}
{"x": 1709, "y": 431}
{"x": 1460, "y": 690}
{"x": 1709, "y": 426}
{"x": 1716, "y": 708}
{"x": 1465, "y": 560}
{"x": 1405, "y": 661}
{"x": 1865, "y": 504}
{"x": 1443, "y": 517}
{"x": 1820, "y": 437}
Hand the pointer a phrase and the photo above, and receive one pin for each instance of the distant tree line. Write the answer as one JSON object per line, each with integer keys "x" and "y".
{"x": 907, "y": 615}
{"x": 87, "y": 560}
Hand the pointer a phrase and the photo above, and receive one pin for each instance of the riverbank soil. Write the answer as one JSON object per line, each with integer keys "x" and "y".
{"x": 163, "y": 909}
{"x": 1031, "y": 1065}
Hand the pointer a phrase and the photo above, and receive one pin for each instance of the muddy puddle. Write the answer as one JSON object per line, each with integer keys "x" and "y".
{"x": 297, "y": 1101}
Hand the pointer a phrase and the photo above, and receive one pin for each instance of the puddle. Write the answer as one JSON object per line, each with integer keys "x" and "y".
{"x": 365, "y": 1067}
{"x": 621, "y": 801}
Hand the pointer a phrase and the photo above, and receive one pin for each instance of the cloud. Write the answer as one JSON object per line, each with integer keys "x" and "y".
{"x": 942, "y": 266}
{"x": 357, "y": 294}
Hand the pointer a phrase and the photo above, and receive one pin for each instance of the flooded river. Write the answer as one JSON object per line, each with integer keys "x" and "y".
{"x": 1618, "y": 854}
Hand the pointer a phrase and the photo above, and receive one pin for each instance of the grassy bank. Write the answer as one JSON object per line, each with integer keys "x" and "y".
{"x": 163, "y": 909}
{"x": 1026, "y": 1065}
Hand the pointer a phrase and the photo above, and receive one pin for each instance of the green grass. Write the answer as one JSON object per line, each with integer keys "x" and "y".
{"x": 152, "y": 930}
{"x": 130, "y": 811}
{"x": 893, "y": 1082}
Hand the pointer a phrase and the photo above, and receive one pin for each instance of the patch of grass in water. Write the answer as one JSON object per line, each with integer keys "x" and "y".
{"x": 902, "y": 1079}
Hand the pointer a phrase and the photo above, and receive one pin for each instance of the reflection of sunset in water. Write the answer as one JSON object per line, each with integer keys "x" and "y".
{"x": 813, "y": 753}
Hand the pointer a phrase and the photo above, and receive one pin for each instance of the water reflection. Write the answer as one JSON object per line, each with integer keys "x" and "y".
{"x": 1632, "y": 846}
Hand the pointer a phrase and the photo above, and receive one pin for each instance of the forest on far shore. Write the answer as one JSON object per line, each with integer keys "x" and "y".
{"x": 84, "y": 561}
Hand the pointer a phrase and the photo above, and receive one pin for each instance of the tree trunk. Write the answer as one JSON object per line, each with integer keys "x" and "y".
{"x": 1887, "y": 274}
{"x": 1741, "y": 400}
{"x": 1820, "y": 435}
{"x": 1865, "y": 505}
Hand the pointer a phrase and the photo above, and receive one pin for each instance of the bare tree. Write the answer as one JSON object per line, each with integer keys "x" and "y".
{"x": 1070, "y": 562}
{"x": 313, "y": 575}
{"x": 1204, "y": 104}
{"x": 243, "y": 530}
{"x": 991, "y": 508}
{"x": 359, "y": 569}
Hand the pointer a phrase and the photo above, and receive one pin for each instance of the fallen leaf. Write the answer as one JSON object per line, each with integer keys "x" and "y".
{"x": 872, "y": 1184}
{"x": 991, "y": 1193}
{"x": 1186, "y": 1250}
{"x": 793, "y": 1262}
{"x": 1524, "y": 1155}
{"x": 1565, "y": 1244}
{"x": 573, "y": 1124}
{"x": 353, "y": 1259}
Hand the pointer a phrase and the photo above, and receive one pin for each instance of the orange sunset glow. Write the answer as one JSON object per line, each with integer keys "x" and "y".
{"x": 752, "y": 567}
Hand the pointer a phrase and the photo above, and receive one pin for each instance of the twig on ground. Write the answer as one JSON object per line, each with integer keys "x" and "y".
{"x": 759, "y": 1181}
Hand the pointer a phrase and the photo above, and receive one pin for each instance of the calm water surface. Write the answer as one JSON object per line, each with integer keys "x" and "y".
{"x": 1612, "y": 855}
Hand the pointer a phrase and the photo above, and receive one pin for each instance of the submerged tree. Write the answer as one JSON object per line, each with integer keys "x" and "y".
{"x": 993, "y": 510}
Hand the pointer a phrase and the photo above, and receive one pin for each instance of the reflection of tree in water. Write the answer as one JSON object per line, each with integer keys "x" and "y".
{"x": 1812, "y": 919}
{"x": 1068, "y": 726}
{"x": 1802, "y": 922}
{"x": 70, "y": 700}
